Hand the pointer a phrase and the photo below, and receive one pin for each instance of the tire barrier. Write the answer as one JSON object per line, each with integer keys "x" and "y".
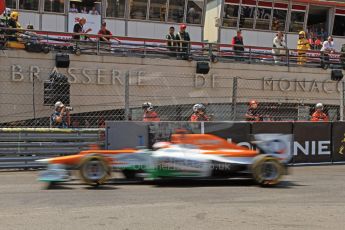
{"x": 314, "y": 142}
{"x": 21, "y": 147}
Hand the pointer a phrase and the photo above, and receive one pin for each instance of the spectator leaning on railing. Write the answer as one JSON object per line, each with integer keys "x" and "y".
{"x": 171, "y": 41}
{"x": 105, "y": 31}
{"x": 79, "y": 28}
{"x": 238, "y": 44}
{"x": 184, "y": 45}
{"x": 278, "y": 46}
{"x": 327, "y": 48}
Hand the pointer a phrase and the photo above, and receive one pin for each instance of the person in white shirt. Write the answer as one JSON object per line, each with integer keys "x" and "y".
{"x": 278, "y": 47}
{"x": 93, "y": 11}
{"x": 73, "y": 9}
{"x": 84, "y": 10}
{"x": 327, "y": 48}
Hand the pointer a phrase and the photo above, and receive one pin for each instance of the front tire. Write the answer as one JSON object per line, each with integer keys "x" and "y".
{"x": 267, "y": 170}
{"x": 94, "y": 170}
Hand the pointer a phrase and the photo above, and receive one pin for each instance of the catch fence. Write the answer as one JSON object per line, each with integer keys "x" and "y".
{"x": 173, "y": 96}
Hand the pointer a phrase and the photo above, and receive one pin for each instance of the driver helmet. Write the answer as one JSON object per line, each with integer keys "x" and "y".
{"x": 199, "y": 107}
{"x": 147, "y": 106}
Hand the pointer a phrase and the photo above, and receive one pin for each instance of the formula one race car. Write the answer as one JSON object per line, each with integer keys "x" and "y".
{"x": 192, "y": 156}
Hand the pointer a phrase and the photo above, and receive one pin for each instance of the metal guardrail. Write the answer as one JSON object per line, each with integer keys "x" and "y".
{"x": 145, "y": 47}
{"x": 20, "y": 147}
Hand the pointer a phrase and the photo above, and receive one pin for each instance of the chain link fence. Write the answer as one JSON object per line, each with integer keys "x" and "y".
{"x": 173, "y": 96}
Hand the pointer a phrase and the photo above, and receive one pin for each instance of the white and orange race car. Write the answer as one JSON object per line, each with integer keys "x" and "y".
{"x": 192, "y": 156}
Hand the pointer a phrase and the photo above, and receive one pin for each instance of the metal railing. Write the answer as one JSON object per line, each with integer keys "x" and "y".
{"x": 21, "y": 147}
{"x": 145, "y": 47}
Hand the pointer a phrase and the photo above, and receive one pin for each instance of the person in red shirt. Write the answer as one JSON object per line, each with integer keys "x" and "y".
{"x": 319, "y": 115}
{"x": 149, "y": 113}
{"x": 252, "y": 113}
{"x": 199, "y": 113}
{"x": 106, "y": 32}
{"x": 237, "y": 43}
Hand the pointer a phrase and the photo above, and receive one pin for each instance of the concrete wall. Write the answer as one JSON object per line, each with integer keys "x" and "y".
{"x": 97, "y": 83}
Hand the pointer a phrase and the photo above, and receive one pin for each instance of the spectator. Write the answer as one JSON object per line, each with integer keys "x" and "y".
{"x": 78, "y": 28}
{"x": 191, "y": 15}
{"x": 311, "y": 42}
{"x": 275, "y": 24}
{"x": 319, "y": 115}
{"x": 104, "y": 31}
{"x": 75, "y": 123}
{"x": 302, "y": 47}
{"x": 237, "y": 43}
{"x": 94, "y": 11}
{"x": 278, "y": 44}
{"x": 171, "y": 37}
{"x": 87, "y": 123}
{"x": 101, "y": 122}
{"x": 13, "y": 24}
{"x": 84, "y": 10}
{"x": 61, "y": 116}
{"x": 199, "y": 113}
{"x": 318, "y": 43}
{"x": 149, "y": 113}
{"x": 73, "y": 9}
{"x": 252, "y": 113}
{"x": 327, "y": 48}
{"x": 323, "y": 34}
{"x": 184, "y": 45}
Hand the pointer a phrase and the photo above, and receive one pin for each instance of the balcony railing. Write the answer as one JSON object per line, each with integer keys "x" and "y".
{"x": 90, "y": 44}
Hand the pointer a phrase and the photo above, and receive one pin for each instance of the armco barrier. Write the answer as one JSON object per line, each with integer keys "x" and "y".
{"x": 19, "y": 148}
{"x": 314, "y": 142}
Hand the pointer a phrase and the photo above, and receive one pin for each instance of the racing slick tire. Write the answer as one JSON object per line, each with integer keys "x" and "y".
{"x": 94, "y": 170}
{"x": 267, "y": 170}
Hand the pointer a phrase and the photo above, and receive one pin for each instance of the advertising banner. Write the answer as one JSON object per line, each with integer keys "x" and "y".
{"x": 338, "y": 141}
{"x": 234, "y": 131}
{"x": 270, "y": 127}
{"x": 312, "y": 142}
{"x": 92, "y": 21}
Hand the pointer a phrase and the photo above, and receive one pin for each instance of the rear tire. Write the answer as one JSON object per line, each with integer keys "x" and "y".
{"x": 267, "y": 170}
{"x": 94, "y": 170}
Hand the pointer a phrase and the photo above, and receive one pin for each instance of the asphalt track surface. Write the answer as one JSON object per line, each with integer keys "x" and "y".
{"x": 310, "y": 198}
